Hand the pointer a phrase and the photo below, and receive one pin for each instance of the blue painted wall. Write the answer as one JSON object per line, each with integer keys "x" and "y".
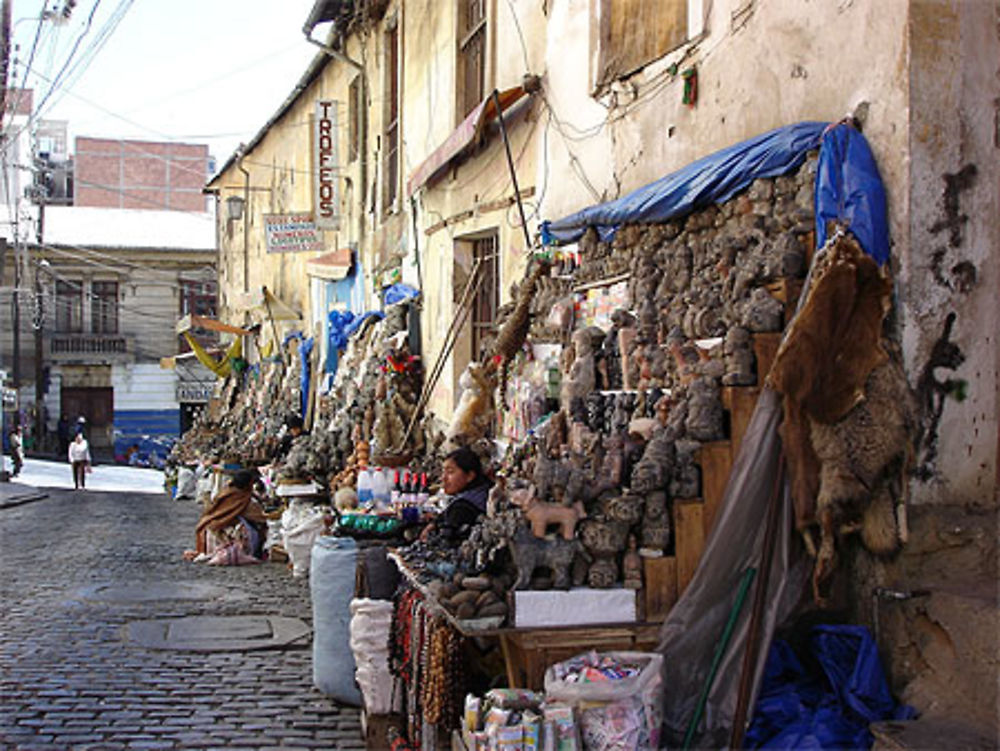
{"x": 154, "y": 430}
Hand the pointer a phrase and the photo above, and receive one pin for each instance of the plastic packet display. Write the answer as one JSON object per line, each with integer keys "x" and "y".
{"x": 514, "y": 698}
{"x": 560, "y": 732}
{"x": 618, "y": 697}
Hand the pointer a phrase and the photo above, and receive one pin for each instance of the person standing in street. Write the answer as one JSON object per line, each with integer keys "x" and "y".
{"x": 62, "y": 432}
{"x": 16, "y": 449}
{"x": 79, "y": 458}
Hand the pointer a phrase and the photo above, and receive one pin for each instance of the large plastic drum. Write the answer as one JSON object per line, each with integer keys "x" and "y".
{"x": 331, "y": 583}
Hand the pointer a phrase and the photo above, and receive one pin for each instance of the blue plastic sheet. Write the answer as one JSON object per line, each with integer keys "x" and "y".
{"x": 305, "y": 349}
{"x": 358, "y": 323}
{"x": 399, "y": 292}
{"x": 828, "y": 709}
{"x": 849, "y": 190}
{"x": 712, "y": 179}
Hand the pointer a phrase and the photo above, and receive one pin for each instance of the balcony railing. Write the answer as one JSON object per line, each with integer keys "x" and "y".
{"x": 89, "y": 346}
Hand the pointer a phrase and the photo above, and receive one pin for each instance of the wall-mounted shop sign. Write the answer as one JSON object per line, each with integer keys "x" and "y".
{"x": 326, "y": 166}
{"x": 194, "y": 392}
{"x": 288, "y": 233}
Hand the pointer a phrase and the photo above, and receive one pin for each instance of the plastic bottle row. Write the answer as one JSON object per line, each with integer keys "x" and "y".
{"x": 386, "y": 489}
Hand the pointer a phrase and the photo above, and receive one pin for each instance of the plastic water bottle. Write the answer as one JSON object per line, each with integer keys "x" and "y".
{"x": 364, "y": 487}
{"x": 380, "y": 489}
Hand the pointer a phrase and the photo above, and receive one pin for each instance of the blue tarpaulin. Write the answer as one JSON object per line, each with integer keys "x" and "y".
{"x": 712, "y": 179}
{"x": 352, "y": 328}
{"x": 305, "y": 349}
{"x": 399, "y": 292}
{"x": 829, "y": 708}
{"x": 850, "y": 191}
{"x": 848, "y": 187}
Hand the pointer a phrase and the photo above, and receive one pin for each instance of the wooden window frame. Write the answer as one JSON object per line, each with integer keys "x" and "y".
{"x": 104, "y": 306}
{"x": 391, "y": 130}
{"x": 68, "y": 297}
{"x": 471, "y": 31}
{"x": 608, "y": 69}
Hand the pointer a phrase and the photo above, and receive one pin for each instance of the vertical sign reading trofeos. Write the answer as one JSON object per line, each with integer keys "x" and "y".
{"x": 326, "y": 196}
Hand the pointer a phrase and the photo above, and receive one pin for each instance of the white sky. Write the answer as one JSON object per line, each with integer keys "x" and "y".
{"x": 199, "y": 71}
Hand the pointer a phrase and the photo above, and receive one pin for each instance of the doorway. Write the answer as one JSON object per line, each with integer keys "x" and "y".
{"x": 96, "y": 405}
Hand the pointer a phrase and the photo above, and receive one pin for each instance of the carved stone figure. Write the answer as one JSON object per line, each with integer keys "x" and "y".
{"x": 705, "y": 413}
{"x": 603, "y": 573}
{"x": 632, "y": 566}
{"x": 739, "y": 359}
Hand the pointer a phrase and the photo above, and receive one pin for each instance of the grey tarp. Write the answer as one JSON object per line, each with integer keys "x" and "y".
{"x": 694, "y": 626}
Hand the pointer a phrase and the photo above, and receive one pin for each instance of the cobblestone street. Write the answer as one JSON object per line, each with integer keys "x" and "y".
{"x": 70, "y": 680}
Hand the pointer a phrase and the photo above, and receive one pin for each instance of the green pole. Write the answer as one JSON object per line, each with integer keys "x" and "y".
{"x": 720, "y": 649}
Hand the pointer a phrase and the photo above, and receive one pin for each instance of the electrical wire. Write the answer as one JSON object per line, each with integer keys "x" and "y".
{"x": 27, "y": 68}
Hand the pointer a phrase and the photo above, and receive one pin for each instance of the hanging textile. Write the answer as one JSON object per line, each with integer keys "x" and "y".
{"x": 223, "y": 367}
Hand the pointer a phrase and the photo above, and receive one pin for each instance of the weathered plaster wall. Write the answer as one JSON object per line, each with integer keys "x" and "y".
{"x": 461, "y": 204}
{"x": 949, "y": 266}
{"x": 783, "y": 62}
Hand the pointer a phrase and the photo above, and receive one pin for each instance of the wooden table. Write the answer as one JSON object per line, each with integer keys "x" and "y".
{"x": 528, "y": 652}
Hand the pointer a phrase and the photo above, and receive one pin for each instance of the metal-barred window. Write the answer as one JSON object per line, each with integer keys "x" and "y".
{"x": 487, "y": 299}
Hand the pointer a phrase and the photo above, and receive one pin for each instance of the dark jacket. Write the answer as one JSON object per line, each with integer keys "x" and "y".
{"x": 462, "y": 511}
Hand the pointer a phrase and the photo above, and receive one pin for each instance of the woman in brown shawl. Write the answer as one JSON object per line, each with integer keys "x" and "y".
{"x": 235, "y": 503}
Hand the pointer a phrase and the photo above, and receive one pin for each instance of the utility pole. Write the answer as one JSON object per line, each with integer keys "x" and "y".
{"x": 38, "y": 324}
{"x": 4, "y": 55}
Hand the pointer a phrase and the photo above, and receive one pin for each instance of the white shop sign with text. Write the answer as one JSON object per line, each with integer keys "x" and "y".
{"x": 326, "y": 166}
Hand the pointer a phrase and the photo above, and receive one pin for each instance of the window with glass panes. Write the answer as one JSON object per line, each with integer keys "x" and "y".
{"x": 104, "y": 307}
{"x": 69, "y": 307}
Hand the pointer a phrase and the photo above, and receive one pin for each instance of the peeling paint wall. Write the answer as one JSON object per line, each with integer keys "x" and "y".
{"x": 948, "y": 268}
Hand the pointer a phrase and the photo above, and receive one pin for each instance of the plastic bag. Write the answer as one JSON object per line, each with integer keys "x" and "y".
{"x": 370, "y": 624}
{"x": 331, "y": 587}
{"x": 613, "y": 714}
{"x": 301, "y": 524}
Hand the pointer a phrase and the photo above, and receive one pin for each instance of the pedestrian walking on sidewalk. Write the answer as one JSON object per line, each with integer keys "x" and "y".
{"x": 79, "y": 458}
{"x": 16, "y": 449}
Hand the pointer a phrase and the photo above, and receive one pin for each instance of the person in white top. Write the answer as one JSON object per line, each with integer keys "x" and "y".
{"x": 16, "y": 450}
{"x": 79, "y": 458}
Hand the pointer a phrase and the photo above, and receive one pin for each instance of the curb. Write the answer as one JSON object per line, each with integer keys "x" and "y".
{"x": 20, "y": 500}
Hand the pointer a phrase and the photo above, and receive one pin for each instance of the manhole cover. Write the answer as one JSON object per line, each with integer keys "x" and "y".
{"x": 157, "y": 591}
{"x": 236, "y": 633}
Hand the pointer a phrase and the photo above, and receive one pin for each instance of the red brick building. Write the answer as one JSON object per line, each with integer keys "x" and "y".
{"x": 114, "y": 173}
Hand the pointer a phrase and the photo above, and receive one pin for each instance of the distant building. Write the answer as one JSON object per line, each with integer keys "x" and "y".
{"x": 115, "y": 283}
{"x": 123, "y": 174}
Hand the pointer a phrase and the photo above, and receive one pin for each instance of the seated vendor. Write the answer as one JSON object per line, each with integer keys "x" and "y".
{"x": 233, "y": 518}
{"x": 467, "y": 488}
{"x": 293, "y": 429}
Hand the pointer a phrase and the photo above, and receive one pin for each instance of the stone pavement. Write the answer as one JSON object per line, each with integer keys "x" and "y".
{"x": 70, "y": 680}
{"x": 14, "y": 494}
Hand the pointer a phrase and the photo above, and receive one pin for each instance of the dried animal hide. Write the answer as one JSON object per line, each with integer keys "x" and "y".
{"x": 827, "y": 354}
{"x": 514, "y": 331}
{"x": 863, "y": 460}
{"x": 471, "y": 418}
{"x": 835, "y": 341}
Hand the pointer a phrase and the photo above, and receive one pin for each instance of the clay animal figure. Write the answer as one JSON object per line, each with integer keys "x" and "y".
{"x": 530, "y": 552}
{"x": 541, "y": 514}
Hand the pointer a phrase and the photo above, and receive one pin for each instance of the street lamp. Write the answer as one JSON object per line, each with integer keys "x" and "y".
{"x": 235, "y": 206}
